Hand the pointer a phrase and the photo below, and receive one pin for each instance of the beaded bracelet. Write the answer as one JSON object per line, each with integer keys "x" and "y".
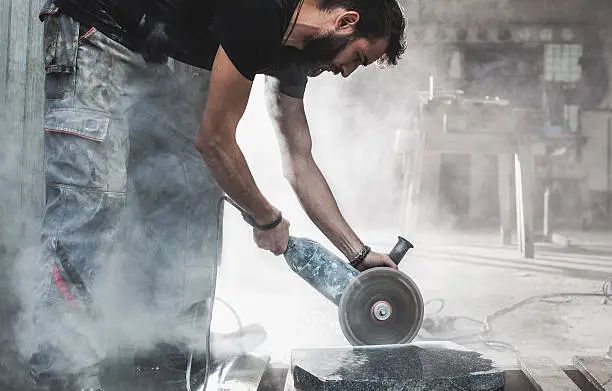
{"x": 360, "y": 257}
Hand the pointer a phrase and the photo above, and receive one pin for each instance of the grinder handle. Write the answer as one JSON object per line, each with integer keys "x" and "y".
{"x": 398, "y": 252}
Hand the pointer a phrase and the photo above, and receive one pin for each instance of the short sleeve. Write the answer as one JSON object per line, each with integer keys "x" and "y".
{"x": 250, "y": 32}
{"x": 292, "y": 80}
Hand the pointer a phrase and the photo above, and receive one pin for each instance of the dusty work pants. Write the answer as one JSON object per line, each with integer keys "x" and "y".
{"x": 128, "y": 197}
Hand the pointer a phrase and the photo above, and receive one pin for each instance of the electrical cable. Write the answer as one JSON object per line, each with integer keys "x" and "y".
{"x": 442, "y": 304}
{"x": 232, "y": 310}
{"x": 190, "y": 360}
{"x": 193, "y": 325}
{"x": 482, "y": 336}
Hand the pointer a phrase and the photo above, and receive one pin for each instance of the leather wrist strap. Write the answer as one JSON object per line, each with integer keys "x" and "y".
{"x": 360, "y": 257}
{"x": 265, "y": 227}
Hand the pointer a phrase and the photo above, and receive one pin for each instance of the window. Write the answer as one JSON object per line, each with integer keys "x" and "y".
{"x": 561, "y": 62}
{"x": 571, "y": 114}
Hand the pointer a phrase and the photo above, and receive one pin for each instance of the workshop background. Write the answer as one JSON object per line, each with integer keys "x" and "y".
{"x": 489, "y": 146}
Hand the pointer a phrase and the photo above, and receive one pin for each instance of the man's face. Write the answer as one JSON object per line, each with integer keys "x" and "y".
{"x": 342, "y": 54}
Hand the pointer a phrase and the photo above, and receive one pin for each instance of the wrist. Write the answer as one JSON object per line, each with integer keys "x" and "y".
{"x": 261, "y": 224}
{"x": 357, "y": 259}
{"x": 266, "y": 217}
{"x": 351, "y": 250}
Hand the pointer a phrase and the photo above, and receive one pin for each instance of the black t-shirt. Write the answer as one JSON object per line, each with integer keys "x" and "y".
{"x": 250, "y": 31}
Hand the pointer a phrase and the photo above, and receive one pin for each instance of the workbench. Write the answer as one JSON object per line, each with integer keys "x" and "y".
{"x": 451, "y": 124}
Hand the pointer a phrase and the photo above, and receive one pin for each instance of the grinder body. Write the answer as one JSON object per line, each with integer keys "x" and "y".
{"x": 378, "y": 306}
{"x": 321, "y": 268}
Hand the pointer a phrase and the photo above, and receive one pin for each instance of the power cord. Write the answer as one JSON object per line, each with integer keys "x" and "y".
{"x": 195, "y": 316}
{"x": 193, "y": 325}
{"x": 436, "y": 322}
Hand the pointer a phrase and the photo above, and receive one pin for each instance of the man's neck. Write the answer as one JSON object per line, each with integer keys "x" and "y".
{"x": 311, "y": 22}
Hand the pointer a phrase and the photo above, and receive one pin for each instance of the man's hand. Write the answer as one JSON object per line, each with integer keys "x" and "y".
{"x": 374, "y": 259}
{"x": 274, "y": 240}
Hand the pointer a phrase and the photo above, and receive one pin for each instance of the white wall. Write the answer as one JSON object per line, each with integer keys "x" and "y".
{"x": 594, "y": 154}
{"x": 594, "y": 126}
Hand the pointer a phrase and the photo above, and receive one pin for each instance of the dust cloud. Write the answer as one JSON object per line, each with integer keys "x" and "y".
{"x": 355, "y": 125}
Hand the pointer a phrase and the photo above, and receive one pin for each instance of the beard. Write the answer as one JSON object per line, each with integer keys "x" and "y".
{"x": 321, "y": 51}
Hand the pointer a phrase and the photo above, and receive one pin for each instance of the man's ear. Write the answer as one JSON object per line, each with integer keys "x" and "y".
{"x": 347, "y": 21}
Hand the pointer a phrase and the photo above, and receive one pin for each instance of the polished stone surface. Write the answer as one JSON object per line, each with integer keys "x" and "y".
{"x": 432, "y": 367}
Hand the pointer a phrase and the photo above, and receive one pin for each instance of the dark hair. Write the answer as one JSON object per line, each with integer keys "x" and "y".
{"x": 377, "y": 19}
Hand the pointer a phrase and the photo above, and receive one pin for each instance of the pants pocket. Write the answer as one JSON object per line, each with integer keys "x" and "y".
{"x": 60, "y": 48}
{"x": 62, "y": 36}
{"x": 60, "y": 43}
{"x": 89, "y": 124}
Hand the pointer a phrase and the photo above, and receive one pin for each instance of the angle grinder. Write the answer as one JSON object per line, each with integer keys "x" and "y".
{"x": 380, "y": 306}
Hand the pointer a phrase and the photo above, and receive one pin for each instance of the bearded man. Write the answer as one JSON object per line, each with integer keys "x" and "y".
{"x": 142, "y": 102}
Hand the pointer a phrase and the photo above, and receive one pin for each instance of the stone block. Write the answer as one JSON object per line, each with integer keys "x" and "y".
{"x": 422, "y": 367}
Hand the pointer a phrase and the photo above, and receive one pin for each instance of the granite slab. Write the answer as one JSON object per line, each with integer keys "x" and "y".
{"x": 414, "y": 367}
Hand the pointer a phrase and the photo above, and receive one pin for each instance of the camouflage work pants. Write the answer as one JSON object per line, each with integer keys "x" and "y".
{"x": 131, "y": 233}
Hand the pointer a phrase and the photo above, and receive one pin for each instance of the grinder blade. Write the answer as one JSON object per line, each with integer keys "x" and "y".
{"x": 381, "y": 306}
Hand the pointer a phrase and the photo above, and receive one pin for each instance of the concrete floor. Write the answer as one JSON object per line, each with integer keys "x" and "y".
{"x": 470, "y": 271}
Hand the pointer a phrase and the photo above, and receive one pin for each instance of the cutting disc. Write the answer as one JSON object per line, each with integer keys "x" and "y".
{"x": 381, "y": 306}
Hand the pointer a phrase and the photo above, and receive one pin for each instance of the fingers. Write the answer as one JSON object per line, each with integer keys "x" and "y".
{"x": 275, "y": 240}
{"x": 278, "y": 250}
{"x": 390, "y": 263}
{"x": 377, "y": 260}
{"x": 270, "y": 244}
{"x": 278, "y": 247}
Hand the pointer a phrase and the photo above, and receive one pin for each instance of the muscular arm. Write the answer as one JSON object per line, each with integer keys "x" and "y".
{"x": 302, "y": 172}
{"x": 216, "y": 139}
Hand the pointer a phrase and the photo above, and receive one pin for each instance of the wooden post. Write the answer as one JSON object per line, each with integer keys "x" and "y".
{"x": 545, "y": 375}
{"x": 520, "y": 226}
{"x": 525, "y": 176}
{"x": 404, "y": 149}
{"x": 21, "y": 138}
{"x": 21, "y": 164}
{"x": 477, "y": 164}
{"x": 405, "y": 202}
{"x": 547, "y": 228}
{"x": 429, "y": 197}
{"x": 504, "y": 168}
{"x": 597, "y": 370}
{"x": 412, "y": 186}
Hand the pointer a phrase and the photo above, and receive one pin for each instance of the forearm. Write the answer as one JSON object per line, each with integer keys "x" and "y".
{"x": 318, "y": 202}
{"x": 304, "y": 175}
{"x": 231, "y": 171}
